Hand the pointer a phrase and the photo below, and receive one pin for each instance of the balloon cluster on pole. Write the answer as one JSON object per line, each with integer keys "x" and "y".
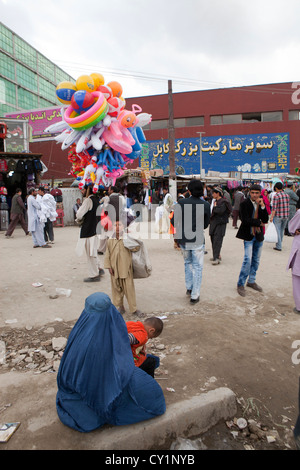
{"x": 101, "y": 134}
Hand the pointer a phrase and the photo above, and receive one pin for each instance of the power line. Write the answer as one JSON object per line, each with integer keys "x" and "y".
{"x": 163, "y": 78}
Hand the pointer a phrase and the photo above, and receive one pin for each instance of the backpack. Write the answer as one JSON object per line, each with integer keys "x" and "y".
{"x": 29, "y": 166}
{"x": 11, "y": 165}
{"x": 3, "y": 165}
{"x": 37, "y": 164}
{"x": 20, "y": 166}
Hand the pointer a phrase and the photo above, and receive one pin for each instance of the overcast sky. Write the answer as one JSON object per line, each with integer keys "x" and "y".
{"x": 140, "y": 43}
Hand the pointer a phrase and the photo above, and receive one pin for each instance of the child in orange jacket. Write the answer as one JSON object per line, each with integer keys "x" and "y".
{"x": 139, "y": 333}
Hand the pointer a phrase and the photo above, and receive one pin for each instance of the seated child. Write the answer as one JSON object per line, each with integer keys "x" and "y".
{"x": 139, "y": 333}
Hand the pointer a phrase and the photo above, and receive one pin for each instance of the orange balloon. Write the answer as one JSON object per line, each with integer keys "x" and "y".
{"x": 116, "y": 89}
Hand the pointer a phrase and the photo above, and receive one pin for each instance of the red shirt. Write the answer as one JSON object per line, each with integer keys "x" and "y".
{"x": 137, "y": 329}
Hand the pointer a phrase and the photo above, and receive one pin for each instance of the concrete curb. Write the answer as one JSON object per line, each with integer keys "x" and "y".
{"x": 187, "y": 418}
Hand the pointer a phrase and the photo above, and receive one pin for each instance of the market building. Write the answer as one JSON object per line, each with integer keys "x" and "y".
{"x": 27, "y": 78}
{"x": 253, "y": 130}
{"x": 239, "y": 132}
{"x": 27, "y": 84}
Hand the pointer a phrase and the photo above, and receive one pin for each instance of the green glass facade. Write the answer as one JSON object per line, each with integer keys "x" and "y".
{"x": 28, "y": 79}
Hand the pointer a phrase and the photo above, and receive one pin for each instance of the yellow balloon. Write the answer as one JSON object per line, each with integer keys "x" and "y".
{"x": 85, "y": 82}
{"x": 98, "y": 79}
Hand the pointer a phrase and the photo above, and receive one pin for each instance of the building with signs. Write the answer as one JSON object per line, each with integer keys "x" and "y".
{"x": 251, "y": 130}
{"x": 27, "y": 78}
{"x": 254, "y": 130}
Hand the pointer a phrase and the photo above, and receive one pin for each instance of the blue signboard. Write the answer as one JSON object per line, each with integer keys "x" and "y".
{"x": 251, "y": 153}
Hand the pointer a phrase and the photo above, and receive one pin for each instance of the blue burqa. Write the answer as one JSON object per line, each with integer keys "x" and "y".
{"x": 97, "y": 380}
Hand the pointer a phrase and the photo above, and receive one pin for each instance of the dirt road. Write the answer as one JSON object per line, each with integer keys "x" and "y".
{"x": 246, "y": 344}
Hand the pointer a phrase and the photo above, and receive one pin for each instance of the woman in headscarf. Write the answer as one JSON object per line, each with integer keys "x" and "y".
{"x": 97, "y": 380}
{"x": 264, "y": 195}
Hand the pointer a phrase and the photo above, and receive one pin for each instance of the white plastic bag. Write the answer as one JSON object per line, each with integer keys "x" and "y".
{"x": 140, "y": 260}
{"x": 271, "y": 234}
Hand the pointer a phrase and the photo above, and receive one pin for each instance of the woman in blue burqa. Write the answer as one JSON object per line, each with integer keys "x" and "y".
{"x": 97, "y": 380}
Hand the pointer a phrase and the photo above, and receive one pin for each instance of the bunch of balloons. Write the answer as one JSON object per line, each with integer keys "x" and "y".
{"x": 103, "y": 136}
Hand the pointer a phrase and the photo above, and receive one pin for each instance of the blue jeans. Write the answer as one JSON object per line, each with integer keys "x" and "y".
{"x": 280, "y": 224}
{"x": 252, "y": 252}
{"x": 193, "y": 266}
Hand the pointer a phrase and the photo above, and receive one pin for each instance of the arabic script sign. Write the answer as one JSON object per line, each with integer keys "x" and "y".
{"x": 257, "y": 153}
{"x": 39, "y": 119}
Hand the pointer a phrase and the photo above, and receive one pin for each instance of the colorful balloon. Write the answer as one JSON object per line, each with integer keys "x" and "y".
{"x": 90, "y": 117}
{"x": 65, "y": 91}
{"x": 98, "y": 79}
{"x": 129, "y": 118}
{"x": 116, "y": 89}
{"x": 103, "y": 134}
{"x": 85, "y": 82}
{"x": 82, "y": 101}
{"x": 106, "y": 91}
{"x": 115, "y": 106}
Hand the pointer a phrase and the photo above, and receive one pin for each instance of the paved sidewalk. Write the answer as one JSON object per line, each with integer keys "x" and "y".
{"x": 32, "y": 399}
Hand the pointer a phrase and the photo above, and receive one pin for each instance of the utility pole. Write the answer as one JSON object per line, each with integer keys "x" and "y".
{"x": 200, "y": 136}
{"x": 171, "y": 131}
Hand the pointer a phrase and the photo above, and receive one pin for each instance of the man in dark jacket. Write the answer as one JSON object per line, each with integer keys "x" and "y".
{"x": 191, "y": 217}
{"x": 254, "y": 216}
{"x": 218, "y": 221}
{"x": 17, "y": 214}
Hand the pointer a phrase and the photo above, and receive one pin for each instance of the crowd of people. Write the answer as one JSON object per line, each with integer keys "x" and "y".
{"x": 197, "y": 207}
{"x": 188, "y": 217}
{"x": 36, "y": 217}
{"x": 86, "y": 401}
{"x": 255, "y": 207}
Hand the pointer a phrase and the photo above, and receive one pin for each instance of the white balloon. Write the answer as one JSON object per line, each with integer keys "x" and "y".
{"x": 61, "y": 137}
{"x": 83, "y": 141}
{"x": 144, "y": 119}
{"x": 57, "y": 127}
{"x": 107, "y": 121}
{"x": 71, "y": 139}
{"x": 96, "y": 142}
